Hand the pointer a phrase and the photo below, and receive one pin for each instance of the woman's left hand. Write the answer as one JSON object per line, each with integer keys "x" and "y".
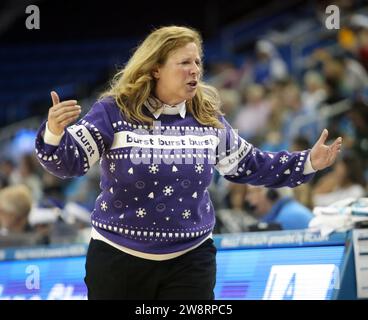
{"x": 322, "y": 156}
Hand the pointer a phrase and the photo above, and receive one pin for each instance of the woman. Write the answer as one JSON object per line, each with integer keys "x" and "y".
{"x": 346, "y": 180}
{"x": 159, "y": 134}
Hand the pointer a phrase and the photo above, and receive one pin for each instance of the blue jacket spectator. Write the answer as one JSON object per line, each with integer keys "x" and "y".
{"x": 274, "y": 206}
{"x": 289, "y": 213}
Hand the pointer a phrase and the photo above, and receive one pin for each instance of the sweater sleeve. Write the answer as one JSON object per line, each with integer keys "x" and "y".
{"x": 81, "y": 145}
{"x": 240, "y": 162}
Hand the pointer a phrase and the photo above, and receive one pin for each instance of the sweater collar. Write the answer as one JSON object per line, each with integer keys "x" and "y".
{"x": 179, "y": 108}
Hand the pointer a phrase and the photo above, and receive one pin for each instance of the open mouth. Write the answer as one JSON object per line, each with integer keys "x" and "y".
{"x": 192, "y": 84}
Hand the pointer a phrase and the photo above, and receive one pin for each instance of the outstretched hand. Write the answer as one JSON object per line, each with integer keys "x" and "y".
{"x": 322, "y": 155}
{"x": 62, "y": 114}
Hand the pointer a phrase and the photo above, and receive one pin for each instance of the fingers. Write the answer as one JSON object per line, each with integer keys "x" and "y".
{"x": 64, "y": 109}
{"x": 68, "y": 121}
{"x": 337, "y": 144}
{"x": 64, "y": 119}
{"x": 326, "y": 154}
{"x": 66, "y": 115}
{"x": 63, "y": 104}
{"x": 332, "y": 156}
{"x": 61, "y": 114}
{"x": 323, "y": 137}
{"x": 55, "y": 98}
{"x": 334, "y": 150}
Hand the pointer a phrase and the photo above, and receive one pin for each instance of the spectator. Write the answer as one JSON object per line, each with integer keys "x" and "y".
{"x": 359, "y": 38}
{"x": 230, "y": 103}
{"x": 297, "y": 120}
{"x": 223, "y": 75}
{"x": 252, "y": 117}
{"x": 234, "y": 218}
{"x": 315, "y": 91}
{"x": 15, "y": 206}
{"x": 273, "y": 139}
{"x": 278, "y": 206}
{"x": 269, "y": 66}
{"x": 358, "y": 115}
{"x": 344, "y": 75}
{"x": 27, "y": 174}
{"x": 53, "y": 189}
{"x": 345, "y": 180}
{"x": 7, "y": 166}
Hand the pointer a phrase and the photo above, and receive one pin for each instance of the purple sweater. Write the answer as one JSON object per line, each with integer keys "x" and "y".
{"x": 154, "y": 180}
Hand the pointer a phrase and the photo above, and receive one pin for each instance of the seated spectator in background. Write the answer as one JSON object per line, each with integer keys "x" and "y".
{"x": 7, "y": 166}
{"x": 315, "y": 91}
{"x": 234, "y": 217}
{"x": 230, "y": 99}
{"x": 273, "y": 139}
{"x": 15, "y": 206}
{"x": 356, "y": 78}
{"x": 345, "y": 78}
{"x": 362, "y": 49}
{"x": 26, "y": 174}
{"x": 353, "y": 37}
{"x": 224, "y": 74}
{"x": 344, "y": 75}
{"x": 344, "y": 181}
{"x": 53, "y": 189}
{"x": 252, "y": 117}
{"x": 297, "y": 119}
{"x": 269, "y": 65}
{"x": 358, "y": 115}
{"x": 278, "y": 206}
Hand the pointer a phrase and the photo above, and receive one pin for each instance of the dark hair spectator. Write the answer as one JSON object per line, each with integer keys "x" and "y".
{"x": 344, "y": 181}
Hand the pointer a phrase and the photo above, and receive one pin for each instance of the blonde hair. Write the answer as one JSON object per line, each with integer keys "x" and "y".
{"x": 134, "y": 84}
{"x": 16, "y": 200}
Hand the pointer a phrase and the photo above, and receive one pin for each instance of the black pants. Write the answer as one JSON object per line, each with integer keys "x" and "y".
{"x": 113, "y": 274}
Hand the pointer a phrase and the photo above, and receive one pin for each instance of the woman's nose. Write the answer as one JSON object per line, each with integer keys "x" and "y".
{"x": 195, "y": 69}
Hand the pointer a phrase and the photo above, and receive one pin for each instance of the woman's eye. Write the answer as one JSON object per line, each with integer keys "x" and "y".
{"x": 198, "y": 63}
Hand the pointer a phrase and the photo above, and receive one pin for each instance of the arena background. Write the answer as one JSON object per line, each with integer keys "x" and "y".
{"x": 320, "y": 81}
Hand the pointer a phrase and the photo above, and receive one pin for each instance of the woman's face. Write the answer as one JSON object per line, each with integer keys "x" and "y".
{"x": 177, "y": 79}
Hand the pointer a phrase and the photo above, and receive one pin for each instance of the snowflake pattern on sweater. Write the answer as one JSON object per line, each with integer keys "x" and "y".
{"x": 154, "y": 179}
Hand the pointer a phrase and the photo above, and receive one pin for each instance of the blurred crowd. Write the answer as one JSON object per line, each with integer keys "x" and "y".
{"x": 271, "y": 107}
{"x": 37, "y": 208}
{"x": 275, "y": 109}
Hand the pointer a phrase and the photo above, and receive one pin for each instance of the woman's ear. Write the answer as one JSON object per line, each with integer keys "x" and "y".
{"x": 156, "y": 73}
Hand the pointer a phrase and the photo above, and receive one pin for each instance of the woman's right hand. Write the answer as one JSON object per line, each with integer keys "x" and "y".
{"x": 62, "y": 114}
